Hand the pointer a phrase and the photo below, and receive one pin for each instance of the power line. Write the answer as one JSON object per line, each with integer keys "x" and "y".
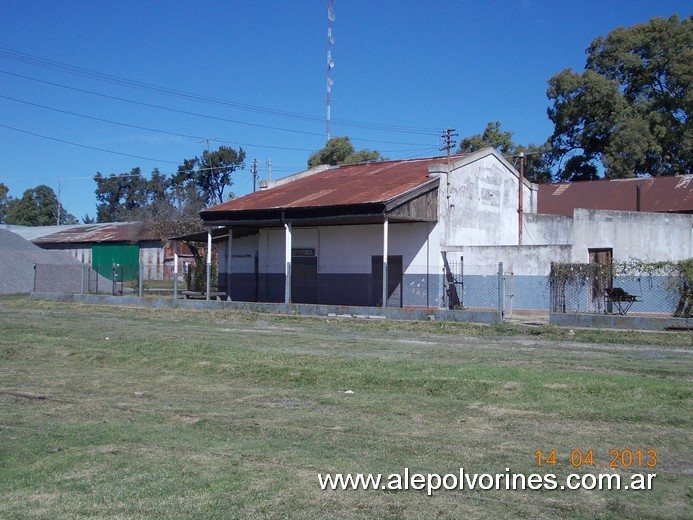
{"x": 184, "y": 112}
{"x": 160, "y": 131}
{"x": 108, "y": 78}
{"x": 159, "y": 107}
{"x": 85, "y": 146}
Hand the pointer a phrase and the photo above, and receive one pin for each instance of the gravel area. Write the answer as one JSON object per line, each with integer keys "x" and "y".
{"x": 57, "y": 271}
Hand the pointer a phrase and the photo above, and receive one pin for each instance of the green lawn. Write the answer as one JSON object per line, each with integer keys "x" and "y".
{"x": 130, "y": 412}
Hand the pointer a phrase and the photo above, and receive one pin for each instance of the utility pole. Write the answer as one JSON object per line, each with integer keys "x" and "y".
{"x": 448, "y": 143}
{"x": 253, "y": 170}
{"x": 57, "y": 223}
{"x": 520, "y": 201}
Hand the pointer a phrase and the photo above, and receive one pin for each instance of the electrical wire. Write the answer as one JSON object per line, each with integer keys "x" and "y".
{"x": 159, "y": 107}
{"x": 108, "y": 78}
{"x": 156, "y": 130}
{"x": 195, "y": 114}
{"x": 85, "y": 146}
{"x": 160, "y": 131}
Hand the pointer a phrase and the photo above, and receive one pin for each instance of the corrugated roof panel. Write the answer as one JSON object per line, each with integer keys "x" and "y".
{"x": 112, "y": 232}
{"x": 673, "y": 194}
{"x": 376, "y": 182}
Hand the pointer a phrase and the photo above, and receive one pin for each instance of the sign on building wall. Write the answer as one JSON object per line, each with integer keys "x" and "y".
{"x": 303, "y": 251}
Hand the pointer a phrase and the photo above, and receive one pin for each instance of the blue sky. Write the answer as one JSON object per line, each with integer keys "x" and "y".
{"x": 143, "y": 84}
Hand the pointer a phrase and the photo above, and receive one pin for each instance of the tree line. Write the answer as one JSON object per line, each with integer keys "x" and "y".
{"x": 626, "y": 114}
{"x": 37, "y": 206}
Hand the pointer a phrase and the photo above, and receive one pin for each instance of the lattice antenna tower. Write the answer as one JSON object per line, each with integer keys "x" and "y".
{"x": 330, "y": 61}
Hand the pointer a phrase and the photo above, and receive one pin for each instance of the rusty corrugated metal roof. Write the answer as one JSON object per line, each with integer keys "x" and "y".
{"x": 344, "y": 185}
{"x": 673, "y": 194}
{"x": 111, "y": 232}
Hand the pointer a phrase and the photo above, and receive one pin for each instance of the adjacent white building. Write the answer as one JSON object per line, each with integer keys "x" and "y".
{"x": 320, "y": 236}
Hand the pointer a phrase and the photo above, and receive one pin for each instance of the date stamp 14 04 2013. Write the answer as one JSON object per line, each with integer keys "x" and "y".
{"x": 616, "y": 459}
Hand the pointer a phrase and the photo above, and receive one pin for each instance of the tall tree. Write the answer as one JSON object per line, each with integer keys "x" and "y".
{"x": 339, "y": 150}
{"x": 629, "y": 112}
{"x": 536, "y": 166}
{"x": 38, "y": 206}
{"x": 493, "y": 136}
{"x": 169, "y": 218}
{"x": 216, "y": 169}
{"x": 119, "y": 196}
{"x": 211, "y": 173}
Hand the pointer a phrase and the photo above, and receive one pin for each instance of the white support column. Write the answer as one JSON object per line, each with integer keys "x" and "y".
{"x": 287, "y": 260}
{"x": 175, "y": 269}
{"x": 385, "y": 239}
{"x": 229, "y": 255}
{"x": 209, "y": 261}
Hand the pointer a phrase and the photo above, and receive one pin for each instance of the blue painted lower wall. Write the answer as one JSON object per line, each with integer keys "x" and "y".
{"x": 529, "y": 292}
{"x": 525, "y": 292}
{"x": 416, "y": 290}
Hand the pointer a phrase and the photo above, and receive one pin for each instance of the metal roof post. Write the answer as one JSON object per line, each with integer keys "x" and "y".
{"x": 209, "y": 262}
{"x": 287, "y": 260}
{"x": 385, "y": 244}
{"x": 175, "y": 269}
{"x": 229, "y": 255}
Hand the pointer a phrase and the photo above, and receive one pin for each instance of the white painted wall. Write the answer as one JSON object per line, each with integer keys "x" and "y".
{"x": 242, "y": 254}
{"x": 351, "y": 247}
{"x": 478, "y": 202}
{"x": 340, "y": 249}
{"x": 547, "y": 230}
{"x": 519, "y": 260}
{"x": 645, "y": 236}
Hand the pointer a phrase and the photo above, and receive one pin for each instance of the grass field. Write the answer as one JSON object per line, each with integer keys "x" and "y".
{"x": 157, "y": 413}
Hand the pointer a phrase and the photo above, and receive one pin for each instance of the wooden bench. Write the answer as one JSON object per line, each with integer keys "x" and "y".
{"x": 622, "y": 300}
{"x": 199, "y": 295}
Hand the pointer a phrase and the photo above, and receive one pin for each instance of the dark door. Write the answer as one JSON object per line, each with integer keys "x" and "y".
{"x": 602, "y": 278}
{"x": 304, "y": 279}
{"x": 394, "y": 280}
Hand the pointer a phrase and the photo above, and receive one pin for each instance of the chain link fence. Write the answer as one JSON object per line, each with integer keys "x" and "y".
{"x": 417, "y": 286}
{"x": 473, "y": 286}
{"x": 660, "y": 289}
{"x": 664, "y": 289}
{"x": 458, "y": 286}
{"x": 118, "y": 279}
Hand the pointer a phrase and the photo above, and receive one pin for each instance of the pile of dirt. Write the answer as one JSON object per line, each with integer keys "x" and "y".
{"x": 58, "y": 271}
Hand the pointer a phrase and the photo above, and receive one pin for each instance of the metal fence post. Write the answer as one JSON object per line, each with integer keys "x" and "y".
{"x": 175, "y": 270}
{"x": 82, "y": 285}
{"x": 501, "y": 291}
{"x": 34, "y": 284}
{"x": 509, "y": 288}
{"x": 209, "y": 262}
{"x": 140, "y": 284}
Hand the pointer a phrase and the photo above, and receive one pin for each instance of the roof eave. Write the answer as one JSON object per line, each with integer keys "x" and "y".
{"x": 412, "y": 194}
{"x": 278, "y": 216}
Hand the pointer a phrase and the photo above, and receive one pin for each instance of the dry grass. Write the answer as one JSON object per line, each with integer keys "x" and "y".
{"x": 124, "y": 412}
